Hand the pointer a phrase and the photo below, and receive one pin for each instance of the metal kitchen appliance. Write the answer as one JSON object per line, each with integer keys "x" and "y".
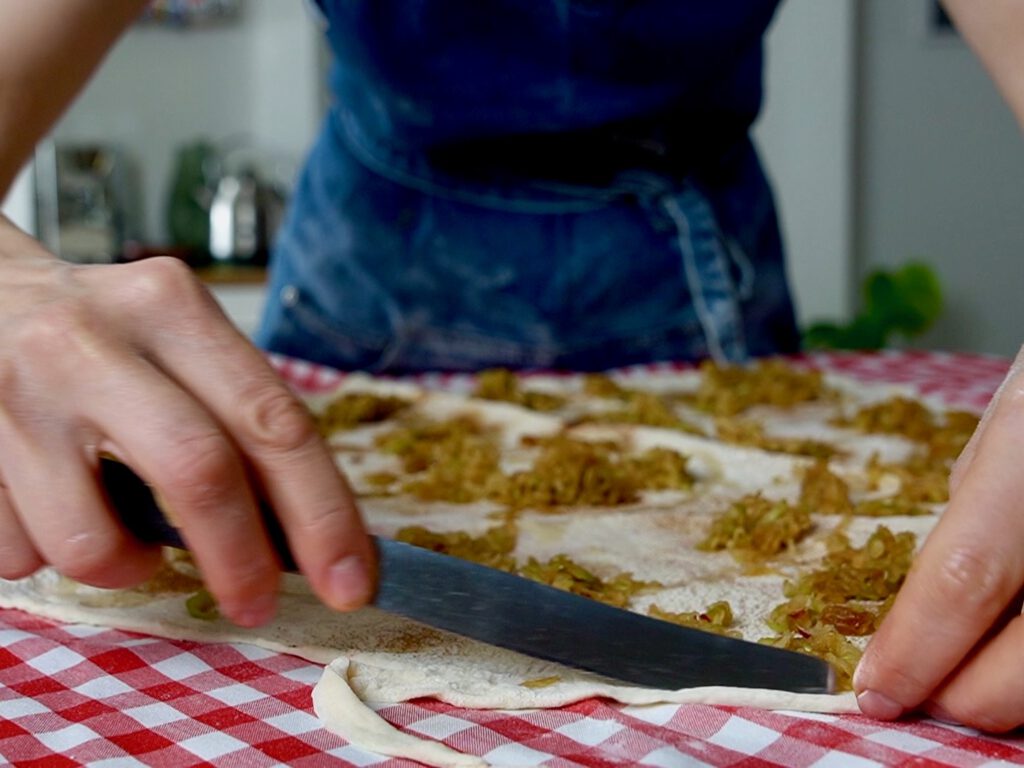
{"x": 245, "y": 213}
{"x": 85, "y": 201}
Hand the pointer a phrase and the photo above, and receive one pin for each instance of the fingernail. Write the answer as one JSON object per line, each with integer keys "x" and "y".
{"x": 348, "y": 583}
{"x": 878, "y": 705}
{"x": 256, "y": 613}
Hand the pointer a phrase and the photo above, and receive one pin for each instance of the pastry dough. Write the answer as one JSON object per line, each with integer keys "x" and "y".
{"x": 374, "y": 658}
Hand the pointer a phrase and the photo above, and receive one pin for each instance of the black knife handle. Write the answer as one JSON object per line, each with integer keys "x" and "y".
{"x": 137, "y": 508}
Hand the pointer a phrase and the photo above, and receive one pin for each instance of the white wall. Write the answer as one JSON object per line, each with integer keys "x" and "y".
{"x": 806, "y": 136}
{"x": 162, "y": 87}
{"x": 941, "y": 176}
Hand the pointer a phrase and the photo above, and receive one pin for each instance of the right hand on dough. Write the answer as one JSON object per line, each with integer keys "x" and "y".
{"x": 137, "y": 360}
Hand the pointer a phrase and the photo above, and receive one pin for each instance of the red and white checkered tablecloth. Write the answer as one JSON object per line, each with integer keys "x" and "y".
{"x": 78, "y": 695}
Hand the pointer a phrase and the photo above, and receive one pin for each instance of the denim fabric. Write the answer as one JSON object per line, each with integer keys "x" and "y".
{"x": 388, "y": 263}
{"x": 423, "y": 72}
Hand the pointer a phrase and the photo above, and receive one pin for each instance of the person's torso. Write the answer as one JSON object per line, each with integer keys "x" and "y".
{"x": 534, "y": 183}
{"x": 417, "y": 73}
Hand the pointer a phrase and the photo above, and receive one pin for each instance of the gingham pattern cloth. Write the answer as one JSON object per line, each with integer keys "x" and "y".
{"x": 78, "y": 695}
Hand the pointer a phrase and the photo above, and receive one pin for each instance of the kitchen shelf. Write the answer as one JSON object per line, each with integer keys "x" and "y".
{"x": 232, "y": 274}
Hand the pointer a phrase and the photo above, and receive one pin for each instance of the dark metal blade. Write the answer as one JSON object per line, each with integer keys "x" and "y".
{"x": 541, "y": 621}
{"x": 515, "y": 613}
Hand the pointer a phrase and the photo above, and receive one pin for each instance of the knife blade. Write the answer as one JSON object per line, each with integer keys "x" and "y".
{"x": 522, "y": 615}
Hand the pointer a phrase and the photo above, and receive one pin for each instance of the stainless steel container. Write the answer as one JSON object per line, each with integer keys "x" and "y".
{"x": 86, "y": 201}
{"x": 236, "y": 219}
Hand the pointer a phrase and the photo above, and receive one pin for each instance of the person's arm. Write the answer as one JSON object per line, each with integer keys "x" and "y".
{"x": 995, "y": 30}
{"x": 952, "y": 642}
{"x": 48, "y": 50}
{"x": 138, "y": 361}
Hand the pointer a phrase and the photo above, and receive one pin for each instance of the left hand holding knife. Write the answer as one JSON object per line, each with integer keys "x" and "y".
{"x": 138, "y": 361}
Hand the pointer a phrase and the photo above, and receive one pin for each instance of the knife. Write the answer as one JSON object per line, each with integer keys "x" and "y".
{"x": 522, "y": 615}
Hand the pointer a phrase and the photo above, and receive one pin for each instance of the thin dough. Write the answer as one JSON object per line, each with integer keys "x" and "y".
{"x": 383, "y": 659}
{"x": 374, "y": 658}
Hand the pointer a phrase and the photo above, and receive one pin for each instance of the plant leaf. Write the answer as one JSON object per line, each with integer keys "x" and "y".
{"x": 907, "y": 300}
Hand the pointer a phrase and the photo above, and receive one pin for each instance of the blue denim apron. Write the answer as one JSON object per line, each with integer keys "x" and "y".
{"x": 534, "y": 184}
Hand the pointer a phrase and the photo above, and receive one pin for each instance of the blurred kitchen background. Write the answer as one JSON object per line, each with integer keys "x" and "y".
{"x": 885, "y": 139}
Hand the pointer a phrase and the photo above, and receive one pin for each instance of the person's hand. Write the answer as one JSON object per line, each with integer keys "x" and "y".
{"x": 138, "y": 361}
{"x": 953, "y": 642}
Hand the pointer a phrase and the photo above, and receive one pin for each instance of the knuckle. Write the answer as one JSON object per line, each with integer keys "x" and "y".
{"x": 278, "y": 422}
{"x": 244, "y": 581}
{"x": 202, "y": 466}
{"x": 324, "y": 524}
{"x": 251, "y": 575}
{"x": 970, "y": 579}
{"x": 162, "y": 281}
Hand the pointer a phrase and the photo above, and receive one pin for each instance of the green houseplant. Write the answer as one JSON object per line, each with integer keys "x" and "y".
{"x": 905, "y": 301}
